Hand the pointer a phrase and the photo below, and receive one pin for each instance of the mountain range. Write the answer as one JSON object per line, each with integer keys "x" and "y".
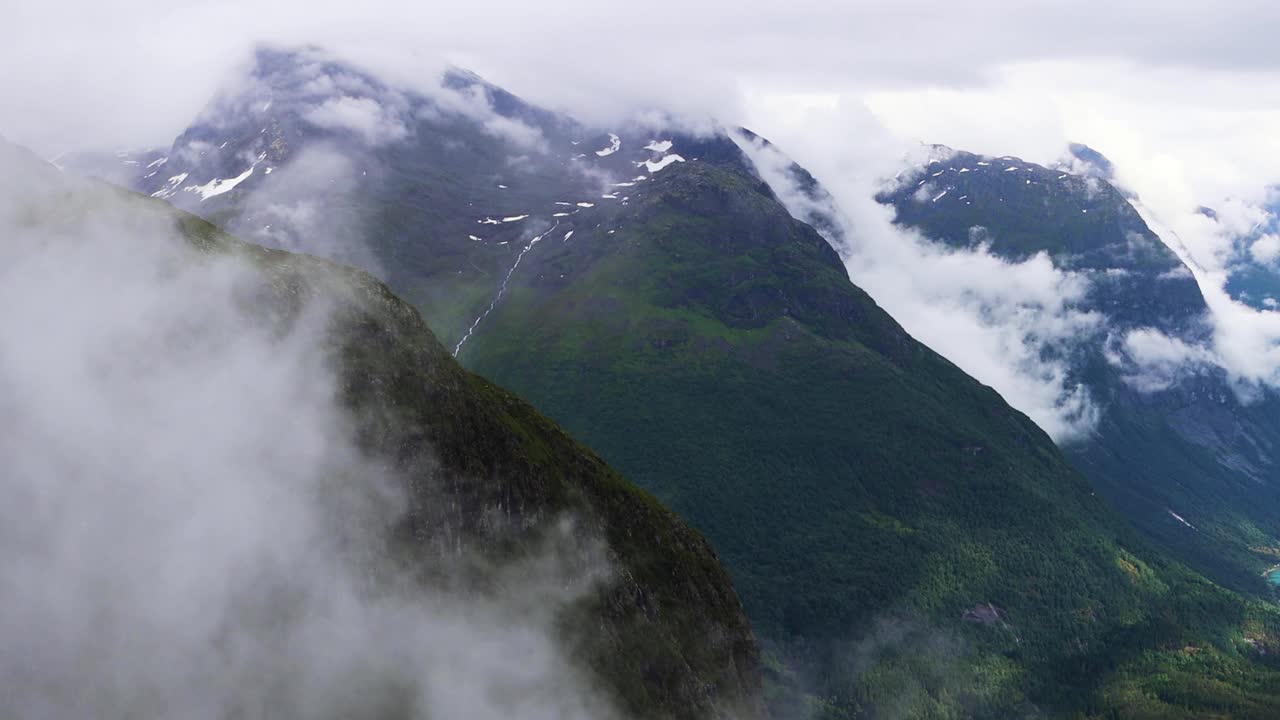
{"x": 903, "y": 540}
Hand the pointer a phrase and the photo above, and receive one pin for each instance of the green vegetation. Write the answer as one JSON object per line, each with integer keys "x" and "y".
{"x": 664, "y": 635}
{"x": 865, "y": 493}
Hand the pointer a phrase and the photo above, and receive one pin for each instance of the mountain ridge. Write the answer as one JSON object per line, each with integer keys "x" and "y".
{"x": 665, "y": 634}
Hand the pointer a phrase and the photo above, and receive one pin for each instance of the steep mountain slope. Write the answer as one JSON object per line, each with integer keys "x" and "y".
{"x": 903, "y": 539}
{"x": 850, "y": 477}
{"x": 1178, "y": 453}
{"x": 489, "y": 480}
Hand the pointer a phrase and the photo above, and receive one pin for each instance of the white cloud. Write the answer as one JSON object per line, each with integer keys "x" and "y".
{"x": 1152, "y": 361}
{"x": 188, "y": 520}
{"x": 1265, "y": 249}
{"x": 575, "y": 53}
{"x": 1007, "y": 324}
{"x": 473, "y": 103}
{"x": 363, "y": 116}
{"x": 1245, "y": 341}
{"x": 305, "y": 206}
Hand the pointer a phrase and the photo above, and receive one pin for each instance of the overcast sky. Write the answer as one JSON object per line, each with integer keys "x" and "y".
{"x": 1184, "y": 98}
{"x": 1180, "y": 85}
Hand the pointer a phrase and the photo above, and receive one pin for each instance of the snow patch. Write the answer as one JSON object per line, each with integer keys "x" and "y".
{"x": 660, "y": 146}
{"x": 217, "y": 186}
{"x": 615, "y": 143}
{"x": 666, "y": 160}
{"x": 174, "y": 182}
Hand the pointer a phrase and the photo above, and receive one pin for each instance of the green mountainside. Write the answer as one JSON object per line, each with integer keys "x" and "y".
{"x": 713, "y": 348}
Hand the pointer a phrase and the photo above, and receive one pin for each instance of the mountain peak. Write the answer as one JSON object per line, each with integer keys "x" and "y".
{"x": 1085, "y": 161}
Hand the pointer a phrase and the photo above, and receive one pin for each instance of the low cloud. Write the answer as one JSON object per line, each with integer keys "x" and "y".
{"x": 1266, "y": 249}
{"x": 1152, "y": 361}
{"x": 1010, "y": 325}
{"x": 189, "y": 527}
{"x": 309, "y": 205}
{"x": 362, "y": 116}
{"x": 1245, "y": 340}
{"x": 473, "y": 102}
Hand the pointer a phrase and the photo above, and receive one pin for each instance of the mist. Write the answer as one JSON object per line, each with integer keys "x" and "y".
{"x": 190, "y": 528}
{"x": 1008, "y": 324}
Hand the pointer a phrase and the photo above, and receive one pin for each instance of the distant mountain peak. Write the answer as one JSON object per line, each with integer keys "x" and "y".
{"x": 1081, "y": 159}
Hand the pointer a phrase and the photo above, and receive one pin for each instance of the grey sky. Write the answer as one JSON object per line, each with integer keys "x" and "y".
{"x": 132, "y": 72}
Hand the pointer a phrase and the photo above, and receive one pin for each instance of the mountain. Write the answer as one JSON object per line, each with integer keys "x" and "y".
{"x": 903, "y": 540}
{"x": 1178, "y": 452}
{"x": 489, "y": 480}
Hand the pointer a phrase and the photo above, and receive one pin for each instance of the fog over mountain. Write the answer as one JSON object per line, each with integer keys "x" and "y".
{"x": 190, "y": 526}
{"x": 847, "y": 90}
